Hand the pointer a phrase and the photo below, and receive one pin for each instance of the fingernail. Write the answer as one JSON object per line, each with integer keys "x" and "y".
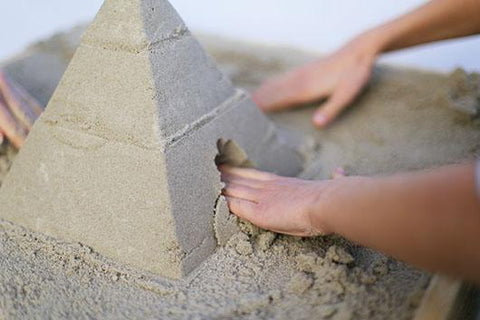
{"x": 320, "y": 119}
{"x": 340, "y": 170}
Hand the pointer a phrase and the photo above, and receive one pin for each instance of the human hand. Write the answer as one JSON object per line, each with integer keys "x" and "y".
{"x": 18, "y": 111}
{"x": 280, "y": 204}
{"x": 339, "y": 76}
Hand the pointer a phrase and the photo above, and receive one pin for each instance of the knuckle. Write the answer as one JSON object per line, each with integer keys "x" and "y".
{"x": 261, "y": 208}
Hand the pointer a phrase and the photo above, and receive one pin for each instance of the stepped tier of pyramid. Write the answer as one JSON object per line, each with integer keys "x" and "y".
{"x": 122, "y": 159}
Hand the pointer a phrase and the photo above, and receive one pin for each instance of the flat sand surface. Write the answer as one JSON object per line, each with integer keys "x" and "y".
{"x": 404, "y": 121}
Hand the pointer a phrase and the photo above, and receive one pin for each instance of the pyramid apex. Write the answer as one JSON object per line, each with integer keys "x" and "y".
{"x": 134, "y": 25}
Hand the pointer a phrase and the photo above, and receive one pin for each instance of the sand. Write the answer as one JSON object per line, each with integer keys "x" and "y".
{"x": 122, "y": 159}
{"x": 405, "y": 120}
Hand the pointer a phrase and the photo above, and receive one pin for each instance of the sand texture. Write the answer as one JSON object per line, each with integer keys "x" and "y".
{"x": 124, "y": 152}
{"x": 405, "y": 120}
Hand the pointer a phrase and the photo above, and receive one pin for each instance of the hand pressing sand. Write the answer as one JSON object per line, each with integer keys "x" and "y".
{"x": 431, "y": 214}
{"x": 433, "y": 217}
{"x": 280, "y": 204}
{"x": 341, "y": 76}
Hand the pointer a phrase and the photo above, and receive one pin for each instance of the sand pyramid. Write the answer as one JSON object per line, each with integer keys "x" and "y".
{"x": 123, "y": 158}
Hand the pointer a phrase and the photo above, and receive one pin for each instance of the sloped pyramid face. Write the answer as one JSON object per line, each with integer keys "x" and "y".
{"x": 123, "y": 157}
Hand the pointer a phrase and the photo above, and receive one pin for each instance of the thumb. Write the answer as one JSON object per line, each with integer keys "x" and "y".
{"x": 328, "y": 112}
{"x": 343, "y": 95}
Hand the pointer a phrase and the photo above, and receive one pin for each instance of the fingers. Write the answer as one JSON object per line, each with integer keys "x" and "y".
{"x": 337, "y": 102}
{"x": 230, "y": 179}
{"x": 243, "y": 208}
{"x": 275, "y": 94}
{"x": 16, "y": 102}
{"x": 343, "y": 95}
{"x": 35, "y": 106}
{"x": 18, "y": 111}
{"x": 246, "y": 173}
{"x": 296, "y": 87}
{"x": 10, "y": 128}
{"x": 239, "y": 191}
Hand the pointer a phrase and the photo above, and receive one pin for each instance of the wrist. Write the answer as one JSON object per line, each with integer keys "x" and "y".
{"x": 374, "y": 42}
{"x": 364, "y": 49}
{"x": 338, "y": 199}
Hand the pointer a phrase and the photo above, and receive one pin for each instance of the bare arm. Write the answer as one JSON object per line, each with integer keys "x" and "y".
{"x": 434, "y": 21}
{"x": 341, "y": 75}
{"x": 428, "y": 218}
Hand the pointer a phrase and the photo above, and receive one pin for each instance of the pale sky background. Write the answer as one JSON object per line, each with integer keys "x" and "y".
{"x": 318, "y": 25}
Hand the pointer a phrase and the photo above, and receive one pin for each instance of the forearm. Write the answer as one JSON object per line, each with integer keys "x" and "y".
{"x": 434, "y": 21}
{"x": 431, "y": 219}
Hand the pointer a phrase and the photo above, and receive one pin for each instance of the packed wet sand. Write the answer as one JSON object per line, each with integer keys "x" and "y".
{"x": 405, "y": 120}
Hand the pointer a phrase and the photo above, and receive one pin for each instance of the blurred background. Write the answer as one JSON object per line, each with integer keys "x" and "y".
{"x": 315, "y": 25}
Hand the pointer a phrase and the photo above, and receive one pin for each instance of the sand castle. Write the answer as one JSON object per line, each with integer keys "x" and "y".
{"x": 123, "y": 157}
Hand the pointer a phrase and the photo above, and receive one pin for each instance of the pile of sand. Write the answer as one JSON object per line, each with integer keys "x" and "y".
{"x": 405, "y": 120}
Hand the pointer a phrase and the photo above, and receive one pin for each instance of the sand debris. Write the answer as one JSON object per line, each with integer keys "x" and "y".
{"x": 339, "y": 255}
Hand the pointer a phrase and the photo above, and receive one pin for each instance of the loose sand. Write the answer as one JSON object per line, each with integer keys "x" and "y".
{"x": 405, "y": 120}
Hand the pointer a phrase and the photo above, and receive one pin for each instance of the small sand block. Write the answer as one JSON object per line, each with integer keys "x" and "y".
{"x": 300, "y": 282}
{"x": 465, "y": 92}
{"x": 306, "y": 262}
{"x": 265, "y": 240}
{"x": 339, "y": 255}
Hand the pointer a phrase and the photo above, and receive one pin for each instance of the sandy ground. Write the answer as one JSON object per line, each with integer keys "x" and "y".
{"x": 405, "y": 120}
